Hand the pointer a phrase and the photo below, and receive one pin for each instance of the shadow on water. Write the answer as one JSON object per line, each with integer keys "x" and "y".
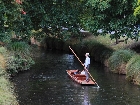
{"x": 48, "y": 84}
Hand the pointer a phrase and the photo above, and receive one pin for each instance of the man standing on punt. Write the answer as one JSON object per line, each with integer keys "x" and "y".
{"x": 86, "y": 66}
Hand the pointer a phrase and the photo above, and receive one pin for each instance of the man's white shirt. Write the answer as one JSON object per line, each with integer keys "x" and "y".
{"x": 87, "y": 61}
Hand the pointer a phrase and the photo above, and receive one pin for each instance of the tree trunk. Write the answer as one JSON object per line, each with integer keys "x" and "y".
{"x": 117, "y": 40}
{"x": 116, "y": 37}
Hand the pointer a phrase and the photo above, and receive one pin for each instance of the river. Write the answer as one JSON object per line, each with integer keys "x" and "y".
{"x": 47, "y": 83}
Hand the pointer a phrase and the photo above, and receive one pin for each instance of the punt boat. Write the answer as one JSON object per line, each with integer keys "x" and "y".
{"x": 79, "y": 78}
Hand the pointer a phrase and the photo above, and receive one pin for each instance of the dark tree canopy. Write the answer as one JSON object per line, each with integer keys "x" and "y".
{"x": 65, "y": 18}
{"x": 57, "y": 17}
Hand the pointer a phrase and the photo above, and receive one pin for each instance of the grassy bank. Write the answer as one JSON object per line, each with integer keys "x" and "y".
{"x": 123, "y": 60}
{"x": 7, "y": 96}
{"x": 17, "y": 58}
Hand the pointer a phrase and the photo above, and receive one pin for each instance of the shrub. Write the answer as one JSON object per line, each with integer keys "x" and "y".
{"x": 118, "y": 58}
{"x": 19, "y": 57}
{"x": 133, "y": 69}
{"x": 16, "y": 64}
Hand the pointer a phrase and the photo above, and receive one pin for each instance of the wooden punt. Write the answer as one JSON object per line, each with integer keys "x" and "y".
{"x": 79, "y": 78}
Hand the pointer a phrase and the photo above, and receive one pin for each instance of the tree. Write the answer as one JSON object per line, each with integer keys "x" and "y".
{"x": 15, "y": 23}
{"x": 137, "y": 10}
{"x": 114, "y": 16}
{"x": 64, "y": 18}
{"x": 55, "y": 17}
{"x": 12, "y": 19}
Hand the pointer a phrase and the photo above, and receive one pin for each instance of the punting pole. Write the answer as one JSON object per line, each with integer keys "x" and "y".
{"x": 83, "y": 65}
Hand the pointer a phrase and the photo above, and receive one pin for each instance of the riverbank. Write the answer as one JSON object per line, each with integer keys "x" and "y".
{"x": 7, "y": 97}
{"x": 15, "y": 57}
{"x": 119, "y": 58}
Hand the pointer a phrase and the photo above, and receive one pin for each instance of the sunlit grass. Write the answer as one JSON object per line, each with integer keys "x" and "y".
{"x": 6, "y": 92}
{"x": 133, "y": 69}
{"x": 2, "y": 62}
{"x": 105, "y": 40}
{"x": 7, "y": 96}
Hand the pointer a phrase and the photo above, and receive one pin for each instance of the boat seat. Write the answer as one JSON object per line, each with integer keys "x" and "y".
{"x": 81, "y": 78}
{"x": 79, "y": 75}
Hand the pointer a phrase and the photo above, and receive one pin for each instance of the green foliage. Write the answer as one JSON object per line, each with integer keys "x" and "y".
{"x": 39, "y": 35}
{"x": 64, "y": 18}
{"x": 119, "y": 57}
{"x": 12, "y": 19}
{"x": 16, "y": 64}
{"x": 19, "y": 48}
{"x": 53, "y": 16}
{"x": 137, "y": 9}
{"x": 5, "y": 37}
{"x": 133, "y": 69}
{"x": 114, "y": 16}
{"x": 20, "y": 58}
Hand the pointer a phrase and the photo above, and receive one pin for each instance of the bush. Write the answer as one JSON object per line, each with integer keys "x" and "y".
{"x": 16, "y": 64}
{"x": 118, "y": 58}
{"x": 133, "y": 69}
{"x": 19, "y": 57}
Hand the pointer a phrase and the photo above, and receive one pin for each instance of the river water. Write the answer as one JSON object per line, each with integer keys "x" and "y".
{"x": 47, "y": 83}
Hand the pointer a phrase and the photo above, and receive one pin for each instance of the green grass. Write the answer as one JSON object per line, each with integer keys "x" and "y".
{"x": 7, "y": 96}
{"x": 133, "y": 69}
{"x": 105, "y": 40}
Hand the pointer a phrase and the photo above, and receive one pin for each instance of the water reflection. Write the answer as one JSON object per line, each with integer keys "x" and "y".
{"x": 48, "y": 84}
{"x": 86, "y": 97}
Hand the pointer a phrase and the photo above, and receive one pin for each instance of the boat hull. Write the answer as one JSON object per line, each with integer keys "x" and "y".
{"x": 79, "y": 78}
